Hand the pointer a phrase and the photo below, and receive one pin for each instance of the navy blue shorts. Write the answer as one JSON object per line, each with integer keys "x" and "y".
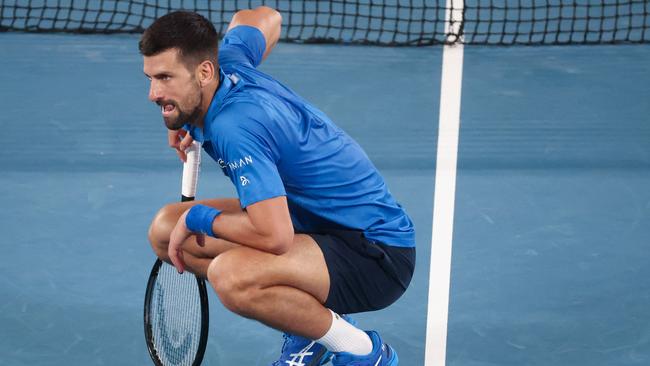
{"x": 364, "y": 276}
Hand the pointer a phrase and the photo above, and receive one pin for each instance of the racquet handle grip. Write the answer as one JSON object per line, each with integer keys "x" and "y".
{"x": 191, "y": 171}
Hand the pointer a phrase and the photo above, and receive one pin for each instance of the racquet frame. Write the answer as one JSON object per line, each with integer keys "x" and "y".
{"x": 188, "y": 192}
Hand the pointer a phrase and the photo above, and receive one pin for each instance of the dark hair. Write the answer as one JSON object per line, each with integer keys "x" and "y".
{"x": 191, "y": 33}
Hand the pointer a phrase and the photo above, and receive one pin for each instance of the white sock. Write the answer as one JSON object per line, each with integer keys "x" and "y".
{"x": 344, "y": 337}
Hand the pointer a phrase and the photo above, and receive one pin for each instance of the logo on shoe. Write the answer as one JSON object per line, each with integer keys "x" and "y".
{"x": 302, "y": 354}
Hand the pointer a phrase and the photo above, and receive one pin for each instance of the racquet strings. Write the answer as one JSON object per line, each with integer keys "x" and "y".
{"x": 175, "y": 316}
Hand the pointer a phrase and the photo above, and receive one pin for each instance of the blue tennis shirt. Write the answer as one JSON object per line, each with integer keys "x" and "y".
{"x": 270, "y": 142}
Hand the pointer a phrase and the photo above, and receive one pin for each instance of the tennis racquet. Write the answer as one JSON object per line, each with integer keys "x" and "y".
{"x": 176, "y": 305}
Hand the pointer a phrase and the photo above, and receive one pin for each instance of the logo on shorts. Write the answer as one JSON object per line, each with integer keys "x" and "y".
{"x": 244, "y": 181}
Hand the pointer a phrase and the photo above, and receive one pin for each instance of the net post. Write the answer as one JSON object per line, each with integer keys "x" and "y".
{"x": 445, "y": 187}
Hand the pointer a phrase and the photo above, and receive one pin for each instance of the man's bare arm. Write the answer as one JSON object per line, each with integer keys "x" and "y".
{"x": 267, "y": 20}
{"x": 265, "y": 225}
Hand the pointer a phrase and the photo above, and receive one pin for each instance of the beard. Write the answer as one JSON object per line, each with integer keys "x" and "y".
{"x": 183, "y": 115}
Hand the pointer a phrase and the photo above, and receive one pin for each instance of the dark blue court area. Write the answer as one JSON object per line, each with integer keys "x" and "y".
{"x": 552, "y": 226}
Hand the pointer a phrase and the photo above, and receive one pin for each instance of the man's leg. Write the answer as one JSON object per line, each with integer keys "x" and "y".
{"x": 286, "y": 292}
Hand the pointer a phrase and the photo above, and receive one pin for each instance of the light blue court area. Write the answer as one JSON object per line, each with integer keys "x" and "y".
{"x": 552, "y": 225}
{"x": 85, "y": 166}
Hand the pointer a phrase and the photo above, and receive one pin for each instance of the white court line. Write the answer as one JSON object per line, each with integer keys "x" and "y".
{"x": 445, "y": 192}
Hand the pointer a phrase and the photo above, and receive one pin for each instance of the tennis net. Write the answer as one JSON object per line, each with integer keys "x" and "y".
{"x": 390, "y": 22}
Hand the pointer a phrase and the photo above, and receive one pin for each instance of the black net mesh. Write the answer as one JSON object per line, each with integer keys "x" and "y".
{"x": 390, "y": 22}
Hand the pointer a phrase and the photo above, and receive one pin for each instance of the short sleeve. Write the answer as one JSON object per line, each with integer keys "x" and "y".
{"x": 242, "y": 45}
{"x": 248, "y": 156}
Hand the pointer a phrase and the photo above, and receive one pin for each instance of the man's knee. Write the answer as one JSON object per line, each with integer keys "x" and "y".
{"x": 234, "y": 282}
{"x": 160, "y": 229}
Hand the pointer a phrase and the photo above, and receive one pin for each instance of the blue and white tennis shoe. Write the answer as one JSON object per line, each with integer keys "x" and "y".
{"x": 382, "y": 355}
{"x": 300, "y": 351}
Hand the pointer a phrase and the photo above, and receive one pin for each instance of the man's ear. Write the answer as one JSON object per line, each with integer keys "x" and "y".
{"x": 205, "y": 72}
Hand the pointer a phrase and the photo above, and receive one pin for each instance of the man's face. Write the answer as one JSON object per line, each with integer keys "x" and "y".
{"x": 174, "y": 88}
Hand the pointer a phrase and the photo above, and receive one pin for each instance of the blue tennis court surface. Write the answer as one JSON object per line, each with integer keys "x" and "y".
{"x": 552, "y": 226}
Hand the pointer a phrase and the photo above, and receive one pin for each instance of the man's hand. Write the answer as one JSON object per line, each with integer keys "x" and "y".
{"x": 179, "y": 140}
{"x": 178, "y": 236}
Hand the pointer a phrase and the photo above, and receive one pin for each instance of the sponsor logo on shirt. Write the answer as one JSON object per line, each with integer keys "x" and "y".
{"x": 236, "y": 164}
{"x": 221, "y": 163}
{"x": 244, "y": 181}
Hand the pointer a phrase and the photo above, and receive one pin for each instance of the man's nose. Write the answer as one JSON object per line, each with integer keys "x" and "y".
{"x": 154, "y": 92}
